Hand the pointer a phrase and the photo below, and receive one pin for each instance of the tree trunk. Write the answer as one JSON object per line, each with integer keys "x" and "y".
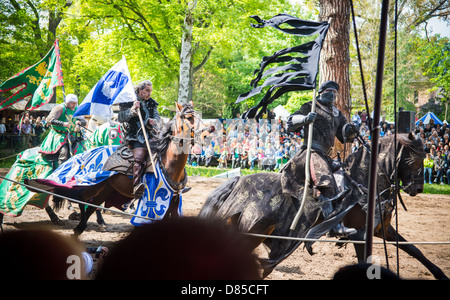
{"x": 186, "y": 65}
{"x": 335, "y": 56}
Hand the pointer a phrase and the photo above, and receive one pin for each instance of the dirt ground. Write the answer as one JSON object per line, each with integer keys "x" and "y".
{"x": 426, "y": 220}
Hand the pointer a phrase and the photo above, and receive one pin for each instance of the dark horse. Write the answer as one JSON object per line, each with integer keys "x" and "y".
{"x": 255, "y": 203}
{"x": 171, "y": 150}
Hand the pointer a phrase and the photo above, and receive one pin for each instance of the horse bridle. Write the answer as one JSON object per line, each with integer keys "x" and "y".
{"x": 183, "y": 115}
{"x": 414, "y": 178}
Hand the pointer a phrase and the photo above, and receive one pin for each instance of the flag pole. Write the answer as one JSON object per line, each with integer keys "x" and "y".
{"x": 307, "y": 166}
{"x": 146, "y": 142}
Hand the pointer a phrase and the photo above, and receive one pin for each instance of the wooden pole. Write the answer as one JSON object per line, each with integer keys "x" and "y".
{"x": 146, "y": 142}
{"x": 375, "y": 133}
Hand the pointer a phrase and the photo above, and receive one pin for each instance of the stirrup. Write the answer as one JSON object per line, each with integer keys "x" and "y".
{"x": 138, "y": 190}
{"x": 341, "y": 231}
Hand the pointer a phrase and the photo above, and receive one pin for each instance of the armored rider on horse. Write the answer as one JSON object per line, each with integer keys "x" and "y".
{"x": 329, "y": 122}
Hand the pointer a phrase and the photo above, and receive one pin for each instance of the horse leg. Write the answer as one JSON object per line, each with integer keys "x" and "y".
{"x": 83, "y": 221}
{"x": 416, "y": 253}
{"x": 359, "y": 248}
{"x": 100, "y": 220}
{"x": 53, "y": 217}
{"x": 98, "y": 196}
{"x": 1, "y": 222}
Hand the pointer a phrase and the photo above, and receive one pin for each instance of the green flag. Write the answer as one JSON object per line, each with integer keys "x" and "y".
{"x": 35, "y": 82}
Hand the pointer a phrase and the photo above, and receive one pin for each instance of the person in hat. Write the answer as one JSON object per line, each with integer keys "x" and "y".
{"x": 63, "y": 140}
{"x": 329, "y": 123}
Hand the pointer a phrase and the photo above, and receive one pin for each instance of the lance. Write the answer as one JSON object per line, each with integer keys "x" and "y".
{"x": 146, "y": 141}
{"x": 375, "y": 133}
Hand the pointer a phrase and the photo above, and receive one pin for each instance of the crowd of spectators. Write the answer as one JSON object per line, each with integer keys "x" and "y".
{"x": 263, "y": 145}
{"x": 266, "y": 145}
{"x": 436, "y": 141}
{"x": 23, "y": 134}
{"x": 435, "y": 138}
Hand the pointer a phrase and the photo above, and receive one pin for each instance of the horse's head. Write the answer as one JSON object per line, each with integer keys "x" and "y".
{"x": 410, "y": 163}
{"x": 186, "y": 123}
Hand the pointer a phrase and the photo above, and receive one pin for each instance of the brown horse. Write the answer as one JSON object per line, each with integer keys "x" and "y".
{"x": 171, "y": 148}
{"x": 256, "y": 204}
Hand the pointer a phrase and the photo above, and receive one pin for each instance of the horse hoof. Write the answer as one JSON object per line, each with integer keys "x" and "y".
{"x": 58, "y": 222}
{"x": 74, "y": 216}
{"x": 103, "y": 228}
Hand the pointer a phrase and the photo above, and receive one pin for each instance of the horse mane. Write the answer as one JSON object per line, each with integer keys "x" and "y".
{"x": 409, "y": 140}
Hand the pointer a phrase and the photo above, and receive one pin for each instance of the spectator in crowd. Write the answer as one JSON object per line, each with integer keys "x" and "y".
{"x": 427, "y": 130}
{"x": 447, "y": 166}
{"x": 209, "y": 154}
{"x": 363, "y": 116}
{"x": 261, "y": 158}
{"x": 356, "y": 118}
{"x": 236, "y": 157}
{"x": 26, "y": 128}
{"x": 384, "y": 129}
{"x": 383, "y": 121}
{"x": 2, "y": 132}
{"x": 38, "y": 130}
{"x": 244, "y": 159}
{"x": 252, "y": 156}
{"x": 439, "y": 167}
{"x": 428, "y": 164}
{"x": 419, "y": 126}
{"x": 269, "y": 161}
{"x": 223, "y": 156}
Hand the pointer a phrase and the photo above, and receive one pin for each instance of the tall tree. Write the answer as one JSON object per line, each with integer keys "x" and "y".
{"x": 335, "y": 56}
{"x": 186, "y": 65}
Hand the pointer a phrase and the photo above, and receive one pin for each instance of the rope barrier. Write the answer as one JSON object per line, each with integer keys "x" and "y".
{"x": 14, "y": 155}
{"x": 343, "y": 241}
{"x": 75, "y": 200}
{"x": 249, "y": 234}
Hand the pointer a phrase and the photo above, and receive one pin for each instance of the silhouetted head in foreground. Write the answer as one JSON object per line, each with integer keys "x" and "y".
{"x": 364, "y": 272}
{"x": 40, "y": 254}
{"x": 184, "y": 248}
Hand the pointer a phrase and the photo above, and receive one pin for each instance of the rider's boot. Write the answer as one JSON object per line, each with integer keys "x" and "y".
{"x": 138, "y": 166}
{"x": 327, "y": 209}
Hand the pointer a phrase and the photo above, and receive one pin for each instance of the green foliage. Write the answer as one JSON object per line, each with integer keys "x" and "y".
{"x": 226, "y": 49}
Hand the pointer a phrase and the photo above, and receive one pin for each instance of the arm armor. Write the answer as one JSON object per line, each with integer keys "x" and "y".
{"x": 350, "y": 131}
{"x": 295, "y": 122}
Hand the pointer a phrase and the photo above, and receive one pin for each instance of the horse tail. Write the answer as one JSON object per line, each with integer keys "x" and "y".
{"x": 217, "y": 198}
{"x": 58, "y": 201}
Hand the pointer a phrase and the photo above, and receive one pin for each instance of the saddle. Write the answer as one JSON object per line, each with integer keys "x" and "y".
{"x": 122, "y": 160}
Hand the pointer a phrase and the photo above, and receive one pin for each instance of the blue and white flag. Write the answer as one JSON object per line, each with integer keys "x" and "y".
{"x": 113, "y": 88}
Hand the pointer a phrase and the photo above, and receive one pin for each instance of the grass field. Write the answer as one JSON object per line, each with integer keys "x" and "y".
{"x": 212, "y": 171}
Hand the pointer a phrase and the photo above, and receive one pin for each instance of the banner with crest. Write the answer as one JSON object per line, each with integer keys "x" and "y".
{"x": 35, "y": 84}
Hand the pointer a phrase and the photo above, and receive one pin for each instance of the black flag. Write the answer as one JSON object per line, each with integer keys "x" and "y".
{"x": 298, "y": 74}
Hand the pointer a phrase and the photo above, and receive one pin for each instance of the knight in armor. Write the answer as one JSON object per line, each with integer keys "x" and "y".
{"x": 64, "y": 137}
{"x": 134, "y": 137}
{"x": 329, "y": 123}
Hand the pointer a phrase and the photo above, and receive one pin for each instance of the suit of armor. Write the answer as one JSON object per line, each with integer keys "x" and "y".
{"x": 329, "y": 123}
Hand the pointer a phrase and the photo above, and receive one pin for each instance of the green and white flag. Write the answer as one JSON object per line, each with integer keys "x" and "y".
{"x": 35, "y": 84}
{"x": 14, "y": 197}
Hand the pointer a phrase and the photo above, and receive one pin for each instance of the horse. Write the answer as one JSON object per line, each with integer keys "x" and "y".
{"x": 256, "y": 204}
{"x": 171, "y": 150}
